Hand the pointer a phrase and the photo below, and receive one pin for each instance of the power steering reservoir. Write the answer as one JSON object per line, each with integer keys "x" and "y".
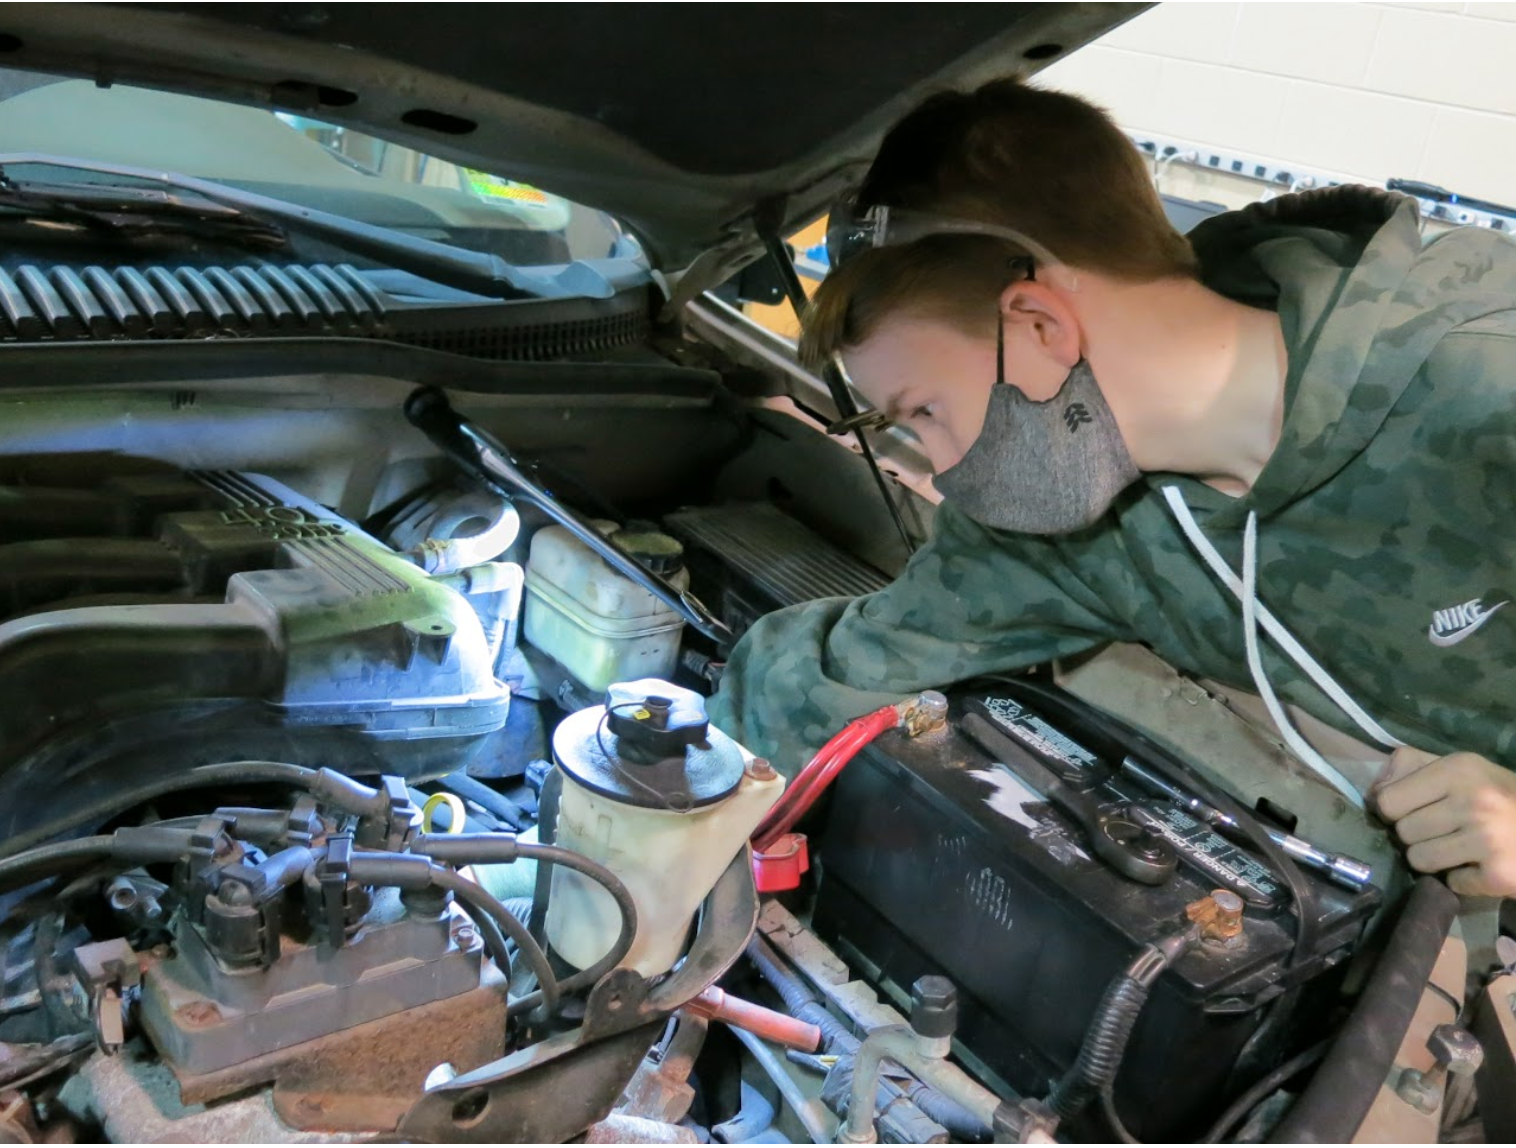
{"x": 665, "y": 802}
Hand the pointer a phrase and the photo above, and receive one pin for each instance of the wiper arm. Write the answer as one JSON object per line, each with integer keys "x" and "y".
{"x": 131, "y": 212}
{"x": 473, "y": 271}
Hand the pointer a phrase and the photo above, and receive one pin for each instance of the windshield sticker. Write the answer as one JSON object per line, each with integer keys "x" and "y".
{"x": 487, "y": 186}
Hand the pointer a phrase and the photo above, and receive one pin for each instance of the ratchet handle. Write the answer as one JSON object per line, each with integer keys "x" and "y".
{"x": 1120, "y": 841}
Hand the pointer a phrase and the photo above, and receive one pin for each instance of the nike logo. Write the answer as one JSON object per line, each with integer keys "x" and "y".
{"x": 1453, "y": 625}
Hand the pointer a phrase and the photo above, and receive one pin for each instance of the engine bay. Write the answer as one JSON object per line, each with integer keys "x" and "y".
{"x": 359, "y": 793}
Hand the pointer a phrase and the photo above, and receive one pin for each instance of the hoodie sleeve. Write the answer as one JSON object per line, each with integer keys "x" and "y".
{"x": 972, "y": 601}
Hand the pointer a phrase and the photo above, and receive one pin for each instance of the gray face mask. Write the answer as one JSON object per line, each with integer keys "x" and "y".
{"x": 1042, "y": 468}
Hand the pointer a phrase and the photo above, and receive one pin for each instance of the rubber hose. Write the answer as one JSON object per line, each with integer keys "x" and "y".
{"x": 1104, "y": 1046}
{"x": 837, "y": 1040}
{"x": 1339, "y": 1096}
{"x": 230, "y": 773}
{"x": 799, "y": 1000}
{"x": 962, "y": 1125}
{"x": 496, "y": 803}
{"x": 48, "y": 860}
{"x": 1262, "y": 1090}
{"x": 547, "y": 832}
{"x": 487, "y": 908}
{"x": 557, "y": 855}
{"x": 504, "y": 848}
{"x": 546, "y": 855}
{"x": 520, "y": 908}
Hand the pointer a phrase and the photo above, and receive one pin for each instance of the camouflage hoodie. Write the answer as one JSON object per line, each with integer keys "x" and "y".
{"x": 1386, "y": 516}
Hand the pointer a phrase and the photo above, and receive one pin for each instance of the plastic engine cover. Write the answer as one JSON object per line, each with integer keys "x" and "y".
{"x": 326, "y": 648}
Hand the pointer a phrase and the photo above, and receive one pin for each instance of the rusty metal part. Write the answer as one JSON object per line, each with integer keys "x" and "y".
{"x": 198, "y": 1014}
{"x": 20, "y": 1063}
{"x": 134, "y": 1096}
{"x": 618, "y": 1128}
{"x": 660, "y": 1090}
{"x": 555, "y": 1090}
{"x": 925, "y": 713}
{"x": 105, "y": 970}
{"x": 545, "y": 1093}
{"x": 1217, "y": 916}
{"x": 18, "y": 1121}
{"x": 761, "y": 769}
{"x": 617, "y": 1002}
{"x": 366, "y": 1078}
{"x": 1455, "y": 1052}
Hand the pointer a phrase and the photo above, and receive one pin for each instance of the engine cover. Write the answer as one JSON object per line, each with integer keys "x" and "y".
{"x": 219, "y": 616}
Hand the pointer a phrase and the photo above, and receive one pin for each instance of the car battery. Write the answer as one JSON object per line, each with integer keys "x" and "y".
{"x": 974, "y": 853}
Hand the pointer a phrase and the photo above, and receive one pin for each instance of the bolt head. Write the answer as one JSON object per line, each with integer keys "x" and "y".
{"x": 934, "y": 1007}
{"x": 197, "y": 1014}
{"x": 1227, "y": 901}
{"x": 761, "y": 769}
{"x": 934, "y": 992}
{"x": 1457, "y": 1048}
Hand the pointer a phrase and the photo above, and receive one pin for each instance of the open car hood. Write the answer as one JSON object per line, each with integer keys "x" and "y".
{"x": 688, "y": 122}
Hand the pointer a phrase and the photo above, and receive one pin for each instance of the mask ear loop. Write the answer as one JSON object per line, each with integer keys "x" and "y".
{"x": 1027, "y": 267}
{"x": 1000, "y": 349}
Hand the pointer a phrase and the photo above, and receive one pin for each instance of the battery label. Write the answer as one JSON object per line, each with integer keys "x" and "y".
{"x": 1037, "y": 735}
{"x": 1013, "y": 798}
{"x": 1213, "y": 855}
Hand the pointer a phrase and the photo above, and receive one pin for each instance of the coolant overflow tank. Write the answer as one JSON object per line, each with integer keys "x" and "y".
{"x": 665, "y": 802}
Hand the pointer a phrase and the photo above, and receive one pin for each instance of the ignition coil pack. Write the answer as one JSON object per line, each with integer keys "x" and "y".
{"x": 1029, "y": 849}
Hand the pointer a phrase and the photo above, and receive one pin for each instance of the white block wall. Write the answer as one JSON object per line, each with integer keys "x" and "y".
{"x": 1418, "y": 90}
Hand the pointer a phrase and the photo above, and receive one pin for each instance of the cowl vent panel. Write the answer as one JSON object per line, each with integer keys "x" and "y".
{"x": 64, "y": 304}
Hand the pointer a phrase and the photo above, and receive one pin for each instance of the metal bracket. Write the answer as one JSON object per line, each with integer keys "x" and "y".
{"x": 554, "y": 1090}
{"x": 105, "y": 971}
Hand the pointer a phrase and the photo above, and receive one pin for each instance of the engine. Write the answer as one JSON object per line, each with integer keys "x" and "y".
{"x": 160, "y": 622}
{"x": 416, "y": 828}
{"x": 247, "y": 947}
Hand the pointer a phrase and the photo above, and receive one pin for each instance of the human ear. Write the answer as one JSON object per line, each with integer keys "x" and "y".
{"x": 1037, "y": 312}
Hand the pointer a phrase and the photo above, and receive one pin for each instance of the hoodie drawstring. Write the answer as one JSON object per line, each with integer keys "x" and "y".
{"x": 1255, "y": 614}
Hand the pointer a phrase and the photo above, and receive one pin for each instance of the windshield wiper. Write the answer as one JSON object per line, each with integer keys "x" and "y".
{"x": 473, "y": 271}
{"x": 134, "y": 213}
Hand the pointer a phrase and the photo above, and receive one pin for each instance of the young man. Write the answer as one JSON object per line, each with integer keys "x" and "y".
{"x": 1138, "y": 437}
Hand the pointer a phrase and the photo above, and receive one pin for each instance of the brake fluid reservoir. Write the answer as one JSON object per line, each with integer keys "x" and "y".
{"x": 665, "y": 802}
{"x": 598, "y": 624}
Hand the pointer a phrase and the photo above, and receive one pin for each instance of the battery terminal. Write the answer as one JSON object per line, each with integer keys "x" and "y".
{"x": 1218, "y": 917}
{"x": 927, "y": 712}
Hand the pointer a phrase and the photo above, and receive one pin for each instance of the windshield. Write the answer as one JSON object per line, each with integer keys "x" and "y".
{"x": 305, "y": 161}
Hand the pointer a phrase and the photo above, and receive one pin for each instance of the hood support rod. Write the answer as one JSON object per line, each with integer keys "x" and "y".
{"x": 842, "y": 398}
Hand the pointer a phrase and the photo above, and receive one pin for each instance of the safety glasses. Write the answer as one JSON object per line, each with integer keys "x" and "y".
{"x": 850, "y": 232}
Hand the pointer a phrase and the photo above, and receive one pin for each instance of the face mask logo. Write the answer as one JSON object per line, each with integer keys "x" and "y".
{"x": 1043, "y": 468}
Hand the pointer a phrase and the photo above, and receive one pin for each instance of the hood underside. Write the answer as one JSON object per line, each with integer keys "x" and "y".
{"x": 680, "y": 119}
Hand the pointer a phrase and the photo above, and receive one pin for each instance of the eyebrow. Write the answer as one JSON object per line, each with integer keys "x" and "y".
{"x": 895, "y": 407}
